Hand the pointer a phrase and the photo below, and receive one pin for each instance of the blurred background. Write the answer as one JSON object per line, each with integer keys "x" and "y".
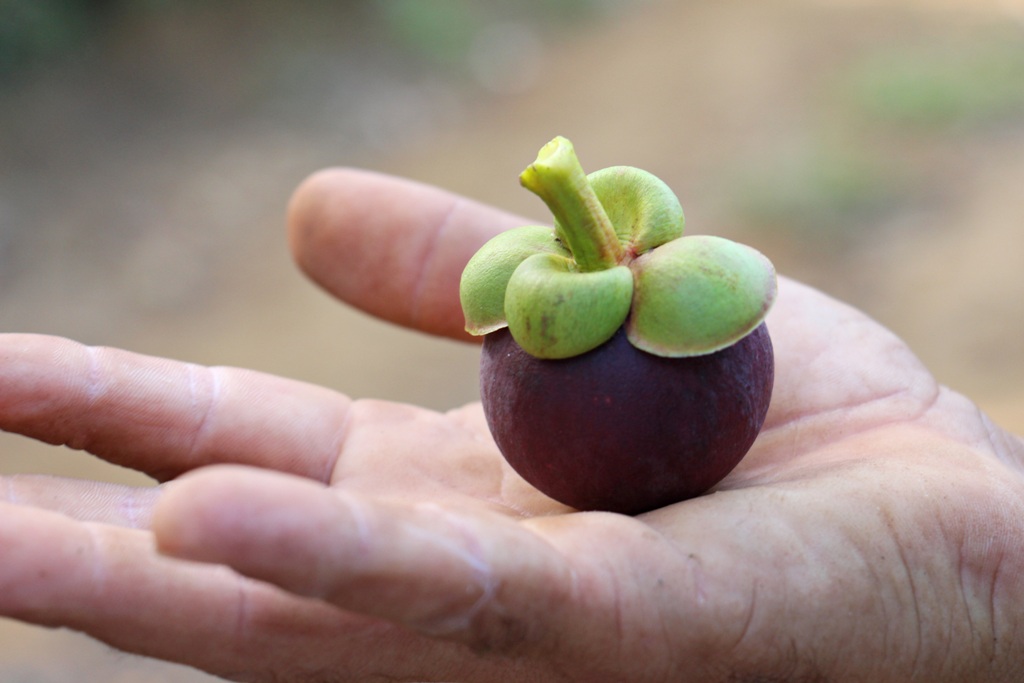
{"x": 148, "y": 149}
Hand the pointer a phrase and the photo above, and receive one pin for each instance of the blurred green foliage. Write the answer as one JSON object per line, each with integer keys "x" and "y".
{"x": 33, "y": 30}
{"x": 941, "y": 85}
{"x": 37, "y": 32}
{"x": 442, "y": 30}
{"x": 866, "y": 154}
{"x": 820, "y": 191}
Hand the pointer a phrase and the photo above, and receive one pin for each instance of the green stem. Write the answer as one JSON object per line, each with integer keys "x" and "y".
{"x": 557, "y": 178}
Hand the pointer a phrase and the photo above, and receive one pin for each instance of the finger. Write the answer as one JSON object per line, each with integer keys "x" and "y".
{"x": 109, "y": 583}
{"x": 87, "y": 501}
{"x": 164, "y": 417}
{"x": 104, "y": 581}
{"x": 391, "y": 247}
{"x": 482, "y": 579}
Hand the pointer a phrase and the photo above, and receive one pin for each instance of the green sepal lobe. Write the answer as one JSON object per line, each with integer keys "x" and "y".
{"x": 482, "y": 288}
{"x": 616, "y": 255}
{"x": 698, "y": 294}
{"x": 644, "y": 211}
{"x": 555, "y": 311}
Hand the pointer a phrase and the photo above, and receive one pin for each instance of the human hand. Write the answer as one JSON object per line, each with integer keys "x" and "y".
{"x": 870, "y": 534}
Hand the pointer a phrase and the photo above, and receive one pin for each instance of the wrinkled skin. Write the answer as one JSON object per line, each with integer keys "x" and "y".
{"x": 871, "y": 534}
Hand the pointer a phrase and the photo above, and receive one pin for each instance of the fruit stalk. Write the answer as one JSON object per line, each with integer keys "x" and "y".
{"x": 582, "y": 223}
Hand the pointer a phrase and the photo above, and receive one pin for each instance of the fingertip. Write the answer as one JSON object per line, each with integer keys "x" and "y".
{"x": 213, "y": 514}
{"x": 278, "y": 528}
{"x": 391, "y": 247}
{"x": 182, "y": 501}
{"x": 320, "y": 203}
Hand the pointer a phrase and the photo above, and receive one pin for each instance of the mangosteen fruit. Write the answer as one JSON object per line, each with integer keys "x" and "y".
{"x": 625, "y": 366}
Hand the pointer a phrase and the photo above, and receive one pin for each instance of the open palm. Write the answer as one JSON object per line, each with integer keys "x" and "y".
{"x": 872, "y": 533}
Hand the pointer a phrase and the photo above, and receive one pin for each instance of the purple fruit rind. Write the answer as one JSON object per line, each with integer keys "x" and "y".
{"x": 623, "y": 430}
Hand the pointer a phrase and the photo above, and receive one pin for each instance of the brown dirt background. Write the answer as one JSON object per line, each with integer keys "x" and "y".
{"x": 142, "y": 190}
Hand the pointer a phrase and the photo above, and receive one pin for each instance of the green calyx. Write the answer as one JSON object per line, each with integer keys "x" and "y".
{"x": 616, "y": 256}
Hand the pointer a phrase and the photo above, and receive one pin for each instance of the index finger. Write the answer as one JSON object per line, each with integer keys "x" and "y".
{"x": 391, "y": 247}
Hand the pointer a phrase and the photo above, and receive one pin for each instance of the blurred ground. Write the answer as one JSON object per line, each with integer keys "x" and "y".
{"x": 875, "y": 150}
